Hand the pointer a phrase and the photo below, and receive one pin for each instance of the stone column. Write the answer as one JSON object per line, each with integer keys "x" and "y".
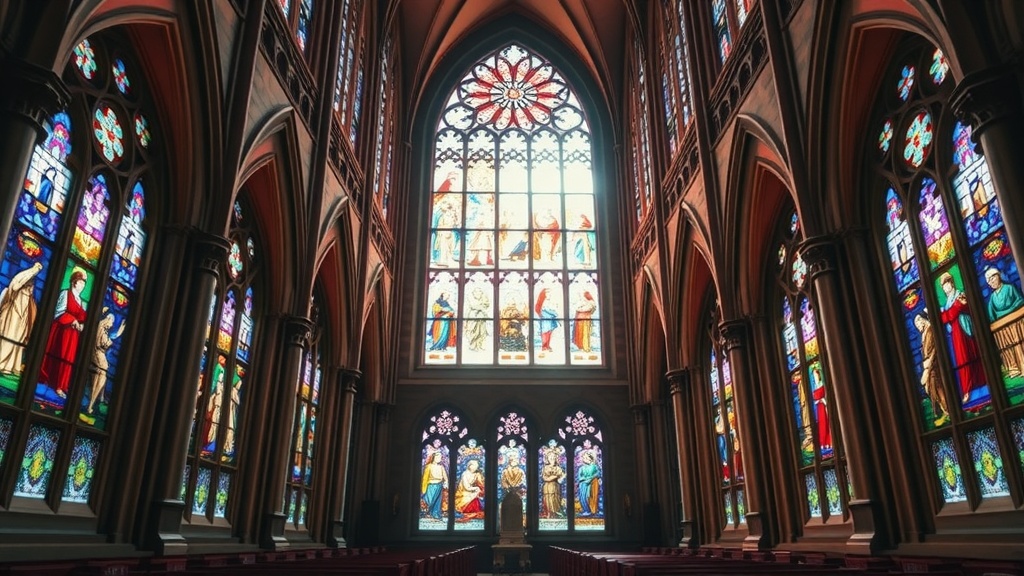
{"x": 178, "y": 403}
{"x": 349, "y": 378}
{"x": 990, "y": 101}
{"x": 644, "y": 484}
{"x": 678, "y": 383}
{"x": 862, "y": 445}
{"x": 664, "y": 492}
{"x": 297, "y": 333}
{"x": 736, "y": 335}
{"x": 31, "y": 96}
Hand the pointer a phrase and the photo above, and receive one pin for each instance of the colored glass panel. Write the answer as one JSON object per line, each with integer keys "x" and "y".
{"x": 799, "y": 270}
{"x": 37, "y": 463}
{"x": 245, "y": 328}
{"x": 947, "y": 465}
{"x": 979, "y": 208}
{"x": 434, "y": 487}
{"x": 234, "y": 403}
{"x": 84, "y": 456}
{"x": 142, "y": 131}
{"x": 1018, "y": 439}
{"x": 226, "y": 330}
{"x": 832, "y": 495}
{"x": 961, "y": 337}
{"x": 808, "y": 329}
{"x": 813, "y": 498}
{"x": 682, "y": 63}
{"x": 184, "y": 482}
{"x": 935, "y": 225}
{"x": 62, "y": 344}
{"x": 905, "y": 83}
{"x": 305, "y": 15}
{"x": 5, "y": 438}
{"x": 470, "y": 465}
{"x": 552, "y": 474}
{"x": 885, "y": 136}
{"x": 794, "y": 224}
{"x": 789, "y": 337}
{"x": 512, "y": 457}
{"x": 742, "y": 11}
{"x": 23, "y": 273}
{"x": 988, "y": 463}
{"x": 588, "y": 464}
{"x": 235, "y": 265}
{"x": 900, "y": 243}
{"x": 106, "y": 128}
{"x": 95, "y": 403}
{"x": 720, "y": 22}
{"x": 804, "y": 419}
{"x": 92, "y": 220}
{"x": 131, "y": 240}
{"x": 201, "y": 497}
{"x": 918, "y": 141}
{"x": 741, "y": 506}
{"x": 816, "y": 379}
{"x": 85, "y": 59}
{"x": 357, "y": 105}
{"x": 48, "y": 181}
{"x": 939, "y": 68}
{"x": 121, "y": 80}
{"x": 727, "y": 497}
{"x": 212, "y": 410}
{"x": 923, "y": 340}
{"x": 220, "y": 504}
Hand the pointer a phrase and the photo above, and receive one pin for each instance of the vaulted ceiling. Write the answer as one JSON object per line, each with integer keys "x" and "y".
{"x": 594, "y": 29}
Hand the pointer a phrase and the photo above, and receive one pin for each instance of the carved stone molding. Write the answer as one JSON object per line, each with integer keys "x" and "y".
{"x": 288, "y": 63}
{"x": 985, "y": 97}
{"x": 210, "y": 250}
{"x": 677, "y": 380}
{"x": 749, "y": 55}
{"x": 681, "y": 171}
{"x": 343, "y": 160}
{"x": 33, "y": 93}
{"x": 820, "y": 253}
{"x": 382, "y": 238}
{"x": 298, "y": 331}
{"x": 641, "y": 412}
{"x": 350, "y": 378}
{"x": 735, "y": 334}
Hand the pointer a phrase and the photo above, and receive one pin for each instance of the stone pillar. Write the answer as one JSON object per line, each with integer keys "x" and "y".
{"x": 349, "y": 378}
{"x": 736, "y": 335}
{"x": 644, "y": 484}
{"x": 862, "y": 445}
{"x": 678, "y": 382}
{"x": 163, "y": 534}
{"x": 990, "y": 101}
{"x": 664, "y": 487}
{"x": 32, "y": 95}
{"x": 297, "y": 333}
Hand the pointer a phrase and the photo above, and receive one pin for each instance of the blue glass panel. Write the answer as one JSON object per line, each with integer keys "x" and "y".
{"x": 947, "y": 466}
{"x": 988, "y": 463}
{"x": 37, "y": 464}
{"x": 81, "y": 471}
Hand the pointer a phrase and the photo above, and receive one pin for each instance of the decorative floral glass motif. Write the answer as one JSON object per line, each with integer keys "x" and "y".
{"x": 142, "y": 130}
{"x": 106, "y": 128}
{"x": 85, "y": 59}
{"x": 5, "y": 437}
{"x": 988, "y": 463}
{"x": 235, "y": 265}
{"x": 512, "y": 247}
{"x": 121, "y": 77}
{"x": 905, "y": 83}
{"x": 813, "y": 497}
{"x": 918, "y": 140}
{"x": 1018, "y": 439}
{"x": 939, "y": 68}
{"x": 84, "y": 455}
{"x": 37, "y": 464}
{"x": 885, "y": 136}
{"x": 947, "y": 466}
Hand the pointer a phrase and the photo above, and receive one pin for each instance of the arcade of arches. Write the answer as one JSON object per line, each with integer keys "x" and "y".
{"x": 304, "y": 273}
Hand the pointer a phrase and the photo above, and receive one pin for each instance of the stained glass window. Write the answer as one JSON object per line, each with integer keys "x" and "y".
{"x": 223, "y": 376}
{"x": 586, "y": 460}
{"x": 69, "y": 277}
{"x": 675, "y": 74}
{"x": 382, "y": 163}
{"x": 512, "y": 437}
{"x": 723, "y": 422}
{"x": 298, "y": 16}
{"x": 348, "y": 87}
{"x": 819, "y": 458}
{"x": 304, "y": 432}
{"x": 512, "y": 250}
{"x": 439, "y": 454}
{"x": 720, "y": 23}
{"x": 644, "y": 134}
{"x": 956, "y": 282}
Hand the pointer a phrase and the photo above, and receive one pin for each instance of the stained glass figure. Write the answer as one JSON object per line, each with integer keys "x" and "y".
{"x": 511, "y": 213}
{"x": 947, "y": 466}
{"x": 84, "y": 456}
{"x": 37, "y": 463}
{"x": 62, "y": 344}
{"x": 589, "y": 467}
{"x": 469, "y": 488}
{"x": 723, "y": 421}
{"x": 552, "y": 465}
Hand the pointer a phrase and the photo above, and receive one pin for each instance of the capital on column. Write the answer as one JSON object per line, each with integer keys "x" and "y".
{"x": 210, "y": 250}
{"x": 677, "y": 380}
{"x": 985, "y": 97}
{"x": 735, "y": 334}
{"x": 350, "y": 378}
{"x": 298, "y": 331}
{"x": 820, "y": 254}
{"x": 33, "y": 93}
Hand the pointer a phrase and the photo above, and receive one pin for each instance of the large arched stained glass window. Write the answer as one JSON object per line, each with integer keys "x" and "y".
{"x": 307, "y": 405}
{"x": 723, "y": 422}
{"x": 452, "y": 481}
{"x": 642, "y": 135}
{"x": 70, "y": 275}
{"x": 223, "y": 377}
{"x": 822, "y": 469}
{"x": 571, "y": 473}
{"x": 956, "y": 282}
{"x": 512, "y": 276}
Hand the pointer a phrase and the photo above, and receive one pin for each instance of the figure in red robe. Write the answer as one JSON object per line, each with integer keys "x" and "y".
{"x": 960, "y": 329}
{"x": 62, "y": 344}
